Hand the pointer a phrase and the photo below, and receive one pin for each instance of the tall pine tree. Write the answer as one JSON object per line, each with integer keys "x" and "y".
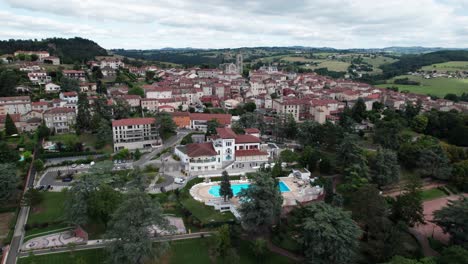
{"x": 10, "y": 128}
{"x": 83, "y": 119}
{"x": 225, "y": 187}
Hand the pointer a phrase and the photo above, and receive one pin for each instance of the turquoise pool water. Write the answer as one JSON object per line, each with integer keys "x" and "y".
{"x": 236, "y": 188}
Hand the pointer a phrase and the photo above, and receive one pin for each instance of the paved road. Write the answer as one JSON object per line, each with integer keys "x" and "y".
{"x": 18, "y": 235}
{"x": 54, "y": 161}
{"x": 103, "y": 243}
{"x": 174, "y": 140}
{"x": 50, "y": 175}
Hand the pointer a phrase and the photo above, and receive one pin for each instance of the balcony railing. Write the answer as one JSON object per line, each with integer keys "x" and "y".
{"x": 202, "y": 160}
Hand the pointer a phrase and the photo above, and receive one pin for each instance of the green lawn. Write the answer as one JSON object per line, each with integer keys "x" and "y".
{"x": 436, "y": 86}
{"x": 181, "y": 252}
{"x": 431, "y": 194}
{"x": 92, "y": 256}
{"x": 49, "y": 210}
{"x": 34, "y": 232}
{"x": 204, "y": 213}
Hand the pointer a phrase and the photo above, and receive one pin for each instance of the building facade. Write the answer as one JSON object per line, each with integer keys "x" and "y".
{"x": 135, "y": 133}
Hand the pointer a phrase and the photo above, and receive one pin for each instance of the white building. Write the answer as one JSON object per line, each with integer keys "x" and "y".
{"x": 52, "y": 88}
{"x": 135, "y": 133}
{"x": 60, "y": 119}
{"x": 226, "y": 149}
{"x": 70, "y": 97}
{"x": 39, "y": 77}
{"x": 15, "y": 105}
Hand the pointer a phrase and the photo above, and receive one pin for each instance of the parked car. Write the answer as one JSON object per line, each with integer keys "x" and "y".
{"x": 40, "y": 188}
{"x": 49, "y": 187}
{"x": 179, "y": 180}
{"x": 82, "y": 165}
{"x": 74, "y": 165}
{"x": 67, "y": 179}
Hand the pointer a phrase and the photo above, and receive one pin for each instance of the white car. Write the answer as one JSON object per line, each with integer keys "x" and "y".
{"x": 179, "y": 180}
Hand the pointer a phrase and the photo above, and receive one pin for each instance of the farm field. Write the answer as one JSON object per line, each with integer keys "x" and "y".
{"x": 450, "y": 66}
{"x": 436, "y": 86}
{"x": 332, "y": 65}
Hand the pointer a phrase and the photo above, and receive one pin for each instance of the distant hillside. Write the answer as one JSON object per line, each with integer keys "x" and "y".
{"x": 410, "y": 63}
{"x": 69, "y": 50}
{"x": 177, "y": 56}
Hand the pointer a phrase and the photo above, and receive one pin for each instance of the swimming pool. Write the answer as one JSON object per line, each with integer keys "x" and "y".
{"x": 236, "y": 188}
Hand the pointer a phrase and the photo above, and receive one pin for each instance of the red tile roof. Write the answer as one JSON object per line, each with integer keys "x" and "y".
{"x": 223, "y": 119}
{"x": 225, "y": 133}
{"x": 200, "y": 149}
{"x": 133, "y": 121}
{"x": 180, "y": 114}
{"x": 241, "y": 139}
{"x": 70, "y": 94}
{"x": 60, "y": 110}
{"x": 251, "y": 130}
{"x": 14, "y": 117}
{"x": 250, "y": 152}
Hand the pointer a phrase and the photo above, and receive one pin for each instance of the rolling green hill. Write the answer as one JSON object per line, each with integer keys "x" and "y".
{"x": 69, "y": 50}
{"x": 435, "y": 86}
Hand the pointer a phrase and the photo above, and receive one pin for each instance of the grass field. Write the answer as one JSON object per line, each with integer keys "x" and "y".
{"x": 436, "y": 86}
{"x": 431, "y": 194}
{"x": 181, "y": 252}
{"x": 332, "y": 65}
{"x": 49, "y": 210}
{"x": 450, "y": 66}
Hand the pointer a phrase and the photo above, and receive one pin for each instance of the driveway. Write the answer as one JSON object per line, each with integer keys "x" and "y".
{"x": 429, "y": 229}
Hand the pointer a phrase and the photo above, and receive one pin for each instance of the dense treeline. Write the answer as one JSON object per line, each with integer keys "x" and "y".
{"x": 188, "y": 59}
{"x": 415, "y": 62}
{"x": 69, "y": 50}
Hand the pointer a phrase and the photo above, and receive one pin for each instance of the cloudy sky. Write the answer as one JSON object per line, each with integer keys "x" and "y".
{"x": 145, "y": 24}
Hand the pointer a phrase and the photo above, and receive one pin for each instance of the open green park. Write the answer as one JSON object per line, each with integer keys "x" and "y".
{"x": 180, "y": 252}
{"x": 434, "y": 86}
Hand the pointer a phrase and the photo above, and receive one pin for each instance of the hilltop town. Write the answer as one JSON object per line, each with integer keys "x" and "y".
{"x": 91, "y": 140}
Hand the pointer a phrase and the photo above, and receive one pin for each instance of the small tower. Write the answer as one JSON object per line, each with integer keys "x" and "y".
{"x": 240, "y": 63}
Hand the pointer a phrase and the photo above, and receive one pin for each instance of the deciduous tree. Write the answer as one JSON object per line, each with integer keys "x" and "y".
{"x": 385, "y": 169}
{"x": 8, "y": 181}
{"x": 454, "y": 220}
{"x": 131, "y": 224}
{"x": 329, "y": 234}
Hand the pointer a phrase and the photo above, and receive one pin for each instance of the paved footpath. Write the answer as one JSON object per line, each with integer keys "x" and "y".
{"x": 429, "y": 229}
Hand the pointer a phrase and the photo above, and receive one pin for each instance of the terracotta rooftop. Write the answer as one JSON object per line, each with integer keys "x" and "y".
{"x": 60, "y": 110}
{"x": 250, "y": 152}
{"x": 200, "y": 149}
{"x": 241, "y": 139}
{"x": 133, "y": 121}
{"x": 223, "y": 119}
{"x": 251, "y": 130}
{"x": 224, "y": 132}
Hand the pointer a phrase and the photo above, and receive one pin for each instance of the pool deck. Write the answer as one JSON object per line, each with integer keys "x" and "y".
{"x": 299, "y": 192}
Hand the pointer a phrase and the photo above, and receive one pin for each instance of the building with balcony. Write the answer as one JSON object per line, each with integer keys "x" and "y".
{"x": 226, "y": 149}
{"x": 135, "y": 133}
{"x": 60, "y": 119}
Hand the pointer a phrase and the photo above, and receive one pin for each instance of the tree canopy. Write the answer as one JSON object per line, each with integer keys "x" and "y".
{"x": 329, "y": 234}
{"x": 261, "y": 203}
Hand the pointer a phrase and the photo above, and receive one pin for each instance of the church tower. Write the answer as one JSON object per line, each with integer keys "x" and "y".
{"x": 240, "y": 63}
